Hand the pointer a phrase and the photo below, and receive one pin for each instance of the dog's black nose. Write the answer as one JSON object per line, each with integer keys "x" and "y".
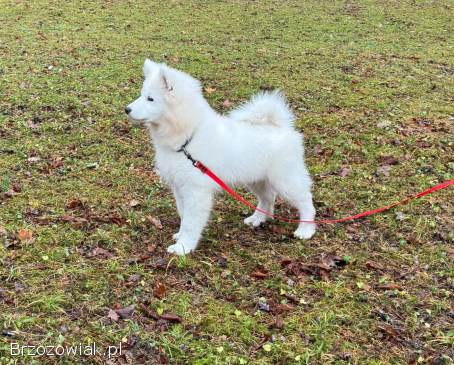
{"x": 127, "y": 110}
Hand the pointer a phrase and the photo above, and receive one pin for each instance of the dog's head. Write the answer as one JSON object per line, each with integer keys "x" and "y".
{"x": 164, "y": 92}
{"x": 156, "y": 93}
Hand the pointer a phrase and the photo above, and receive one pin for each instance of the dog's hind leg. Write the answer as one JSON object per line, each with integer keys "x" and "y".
{"x": 265, "y": 201}
{"x": 196, "y": 211}
{"x": 294, "y": 185}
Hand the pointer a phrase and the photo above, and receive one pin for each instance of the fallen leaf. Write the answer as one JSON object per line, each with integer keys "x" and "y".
{"x": 16, "y": 187}
{"x": 74, "y": 203}
{"x": 332, "y": 261}
{"x": 149, "y": 312}
{"x": 344, "y": 171}
{"x": 363, "y": 286}
{"x": 171, "y": 317}
{"x": 222, "y": 261}
{"x": 34, "y": 159}
{"x": 388, "y": 160}
{"x": 263, "y": 305}
{"x": 133, "y": 278}
{"x": 384, "y": 170}
{"x": 154, "y": 221}
{"x": 279, "y": 230}
{"x": 373, "y": 265}
{"x": 390, "y": 286}
{"x": 134, "y": 203}
{"x": 25, "y": 235}
{"x": 279, "y": 322}
{"x": 56, "y": 162}
{"x": 126, "y": 312}
{"x": 100, "y": 252}
{"x": 92, "y": 165}
{"x": 9, "y": 194}
{"x": 32, "y": 125}
{"x": 159, "y": 290}
{"x": 384, "y": 124}
{"x": 141, "y": 258}
{"x": 259, "y": 274}
{"x": 267, "y": 347}
{"x": 321, "y": 269}
{"x": 120, "y": 221}
{"x": 210, "y": 90}
{"x": 113, "y": 315}
{"x": 389, "y": 330}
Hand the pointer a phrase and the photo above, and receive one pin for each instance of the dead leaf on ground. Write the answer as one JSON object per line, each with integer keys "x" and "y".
{"x": 16, "y": 187}
{"x": 384, "y": 170}
{"x": 210, "y": 90}
{"x": 134, "y": 278}
{"x": 259, "y": 274}
{"x": 100, "y": 252}
{"x": 344, "y": 171}
{"x": 74, "y": 203}
{"x": 56, "y": 162}
{"x": 154, "y": 221}
{"x": 72, "y": 219}
{"x": 126, "y": 312}
{"x": 333, "y": 261}
{"x": 388, "y": 160}
{"x": 8, "y": 194}
{"x": 390, "y": 286}
{"x": 279, "y": 230}
{"x": 171, "y": 317}
{"x": 138, "y": 259}
{"x": 34, "y": 159}
{"x": 149, "y": 312}
{"x": 279, "y": 322}
{"x": 25, "y": 235}
{"x": 113, "y": 315}
{"x": 134, "y": 203}
{"x": 389, "y": 330}
{"x": 373, "y": 265}
{"x": 321, "y": 269}
{"x": 159, "y": 290}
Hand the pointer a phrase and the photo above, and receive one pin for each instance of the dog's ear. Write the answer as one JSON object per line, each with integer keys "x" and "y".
{"x": 149, "y": 67}
{"x": 165, "y": 80}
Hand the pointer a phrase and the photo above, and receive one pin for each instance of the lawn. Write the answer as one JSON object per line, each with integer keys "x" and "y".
{"x": 85, "y": 220}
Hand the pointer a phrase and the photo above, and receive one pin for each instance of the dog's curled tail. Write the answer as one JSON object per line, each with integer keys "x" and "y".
{"x": 269, "y": 107}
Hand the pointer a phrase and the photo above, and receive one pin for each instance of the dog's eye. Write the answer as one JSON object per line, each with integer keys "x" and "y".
{"x": 150, "y": 98}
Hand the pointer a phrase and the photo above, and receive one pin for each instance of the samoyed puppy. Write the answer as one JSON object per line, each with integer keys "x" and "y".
{"x": 255, "y": 145}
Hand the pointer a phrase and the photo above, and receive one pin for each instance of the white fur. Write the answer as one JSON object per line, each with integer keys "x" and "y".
{"x": 255, "y": 146}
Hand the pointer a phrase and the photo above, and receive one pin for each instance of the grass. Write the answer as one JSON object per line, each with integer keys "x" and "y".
{"x": 372, "y": 85}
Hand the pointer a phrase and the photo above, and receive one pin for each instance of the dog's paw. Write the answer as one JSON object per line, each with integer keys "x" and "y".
{"x": 255, "y": 220}
{"x": 305, "y": 231}
{"x": 179, "y": 249}
{"x": 176, "y": 236}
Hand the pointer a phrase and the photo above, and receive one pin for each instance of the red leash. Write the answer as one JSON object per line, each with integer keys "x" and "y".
{"x": 235, "y": 195}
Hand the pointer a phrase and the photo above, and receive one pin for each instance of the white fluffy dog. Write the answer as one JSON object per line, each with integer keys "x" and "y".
{"x": 255, "y": 145}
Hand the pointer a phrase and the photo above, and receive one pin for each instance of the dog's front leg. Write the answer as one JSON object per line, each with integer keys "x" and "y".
{"x": 196, "y": 211}
{"x": 179, "y": 203}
